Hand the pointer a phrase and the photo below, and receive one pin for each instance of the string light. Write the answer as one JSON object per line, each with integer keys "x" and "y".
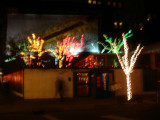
{"x": 36, "y": 44}
{"x": 127, "y": 65}
{"x": 110, "y": 41}
{"x": 67, "y": 47}
{"x": 75, "y": 48}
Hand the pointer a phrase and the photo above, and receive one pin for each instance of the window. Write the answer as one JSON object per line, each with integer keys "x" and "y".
{"x": 89, "y": 1}
{"x": 94, "y": 1}
{"x": 83, "y": 84}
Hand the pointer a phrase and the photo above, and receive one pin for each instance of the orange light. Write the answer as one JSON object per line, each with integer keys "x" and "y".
{"x": 35, "y": 43}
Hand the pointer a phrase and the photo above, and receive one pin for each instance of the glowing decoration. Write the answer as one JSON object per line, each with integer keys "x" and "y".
{"x": 95, "y": 49}
{"x": 67, "y": 48}
{"x": 115, "y": 63}
{"x": 35, "y": 43}
{"x": 126, "y": 63}
{"x": 10, "y": 59}
{"x": 118, "y": 44}
{"x": 61, "y": 50}
{"x": 56, "y": 61}
{"x": 104, "y": 78}
{"x": 91, "y": 61}
{"x": 34, "y": 47}
{"x": 9, "y": 53}
{"x": 27, "y": 58}
{"x": 25, "y": 54}
{"x": 74, "y": 49}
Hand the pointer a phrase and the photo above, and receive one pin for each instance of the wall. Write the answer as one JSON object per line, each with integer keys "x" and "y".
{"x": 15, "y": 80}
{"x": 136, "y": 82}
{"x": 41, "y": 83}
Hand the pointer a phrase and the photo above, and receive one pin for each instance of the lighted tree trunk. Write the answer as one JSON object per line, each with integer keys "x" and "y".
{"x": 60, "y": 63}
{"x": 128, "y": 64}
{"x": 129, "y": 88}
{"x": 67, "y": 47}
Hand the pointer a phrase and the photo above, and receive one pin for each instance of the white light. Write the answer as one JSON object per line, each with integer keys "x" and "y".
{"x": 115, "y": 23}
{"x": 75, "y": 51}
{"x": 126, "y": 65}
{"x": 94, "y": 49}
{"x": 1, "y": 73}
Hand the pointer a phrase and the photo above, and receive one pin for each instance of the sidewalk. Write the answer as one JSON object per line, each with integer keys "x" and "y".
{"x": 57, "y": 104}
{"x": 75, "y": 108}
{"x": 10, "y": 103}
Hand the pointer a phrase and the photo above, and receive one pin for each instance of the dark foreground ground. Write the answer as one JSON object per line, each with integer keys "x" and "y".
{"x": 14, "y": 108}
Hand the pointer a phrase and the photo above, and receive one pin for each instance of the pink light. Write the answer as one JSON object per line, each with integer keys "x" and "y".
{"x": 73, "y": 49}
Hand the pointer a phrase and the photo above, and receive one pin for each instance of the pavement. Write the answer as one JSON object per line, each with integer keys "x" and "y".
{"x": 15, "y": 108}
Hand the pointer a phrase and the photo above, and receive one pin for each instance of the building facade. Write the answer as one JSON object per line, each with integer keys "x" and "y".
{"x": 71, "y": 83}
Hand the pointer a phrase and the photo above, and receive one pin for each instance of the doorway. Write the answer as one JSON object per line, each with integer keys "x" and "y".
{"x": 82, "y": 87}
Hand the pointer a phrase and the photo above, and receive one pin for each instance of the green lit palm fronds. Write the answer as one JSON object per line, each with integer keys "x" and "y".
{"x": 118, "y": 43}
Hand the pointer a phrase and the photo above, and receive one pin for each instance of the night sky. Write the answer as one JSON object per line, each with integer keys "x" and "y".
{"x": 133, "y": 12}
{"x": 146, "y": 12}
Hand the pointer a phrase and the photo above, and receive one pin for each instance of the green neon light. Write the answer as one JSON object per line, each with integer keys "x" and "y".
{"x": 117, "y": 42}
{"x": 10, "y": 59}
{"x": 115, "y": 63}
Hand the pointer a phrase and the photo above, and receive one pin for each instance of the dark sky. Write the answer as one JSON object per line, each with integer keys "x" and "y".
{"x": 137, "y": 11}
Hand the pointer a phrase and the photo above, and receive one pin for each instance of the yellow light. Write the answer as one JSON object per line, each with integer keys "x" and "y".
{"x": 89, "y": 1}
{"x": 115, "y": 23}
{"x": 1, "y": 73}
{"x": 35, "y": 43}
{"x": 120, "y": 24}
{"x": 33, "y": 35}
{"x": 94, "y": 2}
{"x": 141, "y": 28}
{"x": 148, "y": 18}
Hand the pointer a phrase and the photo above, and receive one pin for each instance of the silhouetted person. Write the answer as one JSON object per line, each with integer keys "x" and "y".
{"x": 60, "y": 87}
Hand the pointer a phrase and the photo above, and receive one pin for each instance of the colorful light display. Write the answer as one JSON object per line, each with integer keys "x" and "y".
{"x": 115, "y": 63}
{"x": 69, "y": 48}
{"x": 126, "y": 63}
{"x": 28, "y": 52}
{"x": 27, "y": 58}
{"x": 10, "y": 59}
{"x": 91, "y": 61}
{"x": 23, "y": 53}
{"x": 33, "y": 50}
{"x": 36, "y": 44}
{"x": 74, "y": 49}
{"x": 110, "y": 41}
{"x": 94, "y": 49}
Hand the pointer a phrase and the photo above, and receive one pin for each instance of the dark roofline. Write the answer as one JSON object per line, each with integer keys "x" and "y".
{"x": 152, "y": 48}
